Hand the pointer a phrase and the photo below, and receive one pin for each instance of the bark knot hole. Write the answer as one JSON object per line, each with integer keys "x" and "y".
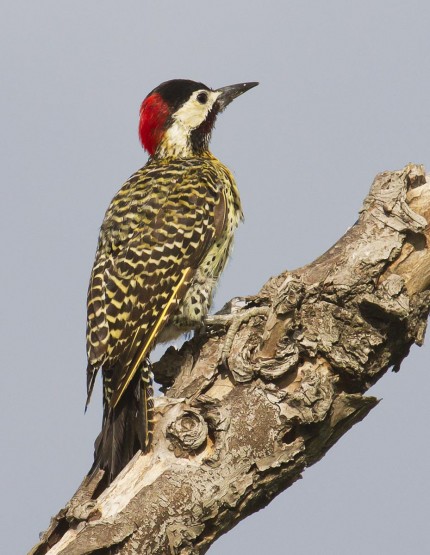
{"x": 188, "y": 432}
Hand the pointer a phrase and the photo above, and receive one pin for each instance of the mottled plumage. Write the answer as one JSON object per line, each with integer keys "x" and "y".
{"x": 164, "y": 241}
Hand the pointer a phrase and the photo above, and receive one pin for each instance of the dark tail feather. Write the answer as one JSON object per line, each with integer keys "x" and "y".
{"x": 126, "y": 428}
{"x": 91, "y": 379}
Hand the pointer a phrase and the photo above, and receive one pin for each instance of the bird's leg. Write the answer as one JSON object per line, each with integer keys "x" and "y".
{"x": 233, "y": 321}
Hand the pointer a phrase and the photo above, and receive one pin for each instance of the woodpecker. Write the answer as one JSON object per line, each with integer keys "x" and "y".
{"x": 163, "y": 244}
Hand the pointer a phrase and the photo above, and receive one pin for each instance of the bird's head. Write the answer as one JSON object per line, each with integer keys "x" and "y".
{"x": 177, "y": 117}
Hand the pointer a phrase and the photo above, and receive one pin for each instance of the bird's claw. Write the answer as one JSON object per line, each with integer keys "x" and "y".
{"x": 233, "y": 322}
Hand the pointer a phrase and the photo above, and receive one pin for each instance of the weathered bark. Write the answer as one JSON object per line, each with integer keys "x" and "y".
{"x": 228, "y": 441}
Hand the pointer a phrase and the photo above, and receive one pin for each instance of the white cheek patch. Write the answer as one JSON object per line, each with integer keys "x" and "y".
{"x": 193, "y": 113}
{"x": 187, "y": 118}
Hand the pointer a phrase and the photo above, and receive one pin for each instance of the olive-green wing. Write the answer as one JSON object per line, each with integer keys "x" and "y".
{"x": 139, "y": 285}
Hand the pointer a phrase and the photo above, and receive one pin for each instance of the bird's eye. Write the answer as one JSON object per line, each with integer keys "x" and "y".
{"x": 202, "y": 97}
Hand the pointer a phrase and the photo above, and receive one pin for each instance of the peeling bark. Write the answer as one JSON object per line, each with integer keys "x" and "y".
{"x": 227, "y": 441}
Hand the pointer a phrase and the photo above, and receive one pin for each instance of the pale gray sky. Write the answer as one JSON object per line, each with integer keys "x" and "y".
{"x": 344, "y": 94}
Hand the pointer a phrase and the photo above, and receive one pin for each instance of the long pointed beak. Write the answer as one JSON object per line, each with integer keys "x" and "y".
{"x": 231, "y": 92}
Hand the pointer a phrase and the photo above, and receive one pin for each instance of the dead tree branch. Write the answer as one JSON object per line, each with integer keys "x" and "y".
{"x": 228, "y": 441}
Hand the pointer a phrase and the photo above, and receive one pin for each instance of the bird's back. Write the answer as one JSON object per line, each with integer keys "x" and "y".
{"x": 164, "y": 241}
{"x": 168, "y": 215}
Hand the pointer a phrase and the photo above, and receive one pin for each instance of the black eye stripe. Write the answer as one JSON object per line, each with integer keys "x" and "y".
{"x": 202, "y": 97}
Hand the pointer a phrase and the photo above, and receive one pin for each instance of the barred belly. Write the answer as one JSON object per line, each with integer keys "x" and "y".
{"x": 198, "y": 299}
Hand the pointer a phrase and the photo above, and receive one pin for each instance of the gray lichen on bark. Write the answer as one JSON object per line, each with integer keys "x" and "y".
{"x": 227, "y": 441}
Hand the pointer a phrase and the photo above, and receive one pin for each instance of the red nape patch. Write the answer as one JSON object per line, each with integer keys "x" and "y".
{"x": 153, "y": 114}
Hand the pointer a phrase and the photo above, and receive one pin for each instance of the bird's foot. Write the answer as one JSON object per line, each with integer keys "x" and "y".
{"x": 233, "y": 322}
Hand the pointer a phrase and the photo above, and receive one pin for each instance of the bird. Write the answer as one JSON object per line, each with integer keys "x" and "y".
{"x": 164, "y": 241}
